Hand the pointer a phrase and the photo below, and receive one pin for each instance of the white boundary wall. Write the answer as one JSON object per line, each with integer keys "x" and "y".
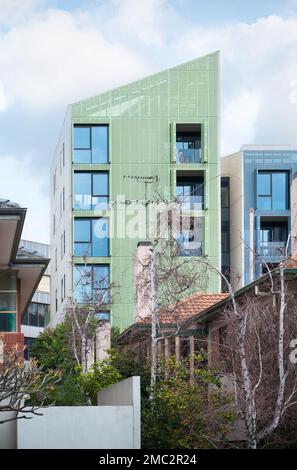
{"x": 113, "y": 424}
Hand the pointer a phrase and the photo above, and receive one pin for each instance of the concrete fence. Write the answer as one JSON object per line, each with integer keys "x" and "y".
{"x": 113, "y": 424}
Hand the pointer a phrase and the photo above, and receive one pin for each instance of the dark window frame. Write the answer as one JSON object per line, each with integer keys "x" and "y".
{"x": 93, "y": 173}
{"x": 90, "y": 242}
{"x": 90, "y": 126}
{"x": 270, "y": 195}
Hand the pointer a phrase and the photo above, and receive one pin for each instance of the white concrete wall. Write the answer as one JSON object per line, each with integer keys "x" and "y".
{"x": 232, "y": 166}
{"x": 113, "y": 424}
{"x": 63, "y": 221}
{"x": 78, "y": 427}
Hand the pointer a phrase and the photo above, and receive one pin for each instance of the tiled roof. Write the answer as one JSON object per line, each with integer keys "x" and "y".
{"x": 186, "y": 308}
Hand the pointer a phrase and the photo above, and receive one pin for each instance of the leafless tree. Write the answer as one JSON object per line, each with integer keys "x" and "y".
{"x": 91, "y": 300}
{"x": 20, "y": 382}
{"x": 258, "y": 329}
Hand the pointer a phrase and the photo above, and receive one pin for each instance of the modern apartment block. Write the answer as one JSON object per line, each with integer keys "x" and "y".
{"x": 37, "y": 315}
{"x": 122, "y": 147}
{"x": 260, "y": 178}
{"x": 20, "y": 273}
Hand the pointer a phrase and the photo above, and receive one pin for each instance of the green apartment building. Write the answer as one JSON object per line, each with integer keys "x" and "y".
{"x": 158, "y": 134}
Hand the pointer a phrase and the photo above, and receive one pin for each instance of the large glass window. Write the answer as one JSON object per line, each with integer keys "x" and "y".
{"x": 34, "y": 314}
{"x": 91, "y": 284}
{"x": 273, "y": 238}
{"x": 90, "y": 144}
{"x": 273, "y": 190}
{"x": 91, "y": 191}
{"x": 91, "y": 237}
{"x": 190, "y": 191}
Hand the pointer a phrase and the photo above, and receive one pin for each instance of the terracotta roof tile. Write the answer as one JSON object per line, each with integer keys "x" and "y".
{"x": 186, "y": 308}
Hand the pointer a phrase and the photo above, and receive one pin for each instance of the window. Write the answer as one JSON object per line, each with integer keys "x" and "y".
{"x": 64, "y": 286}
{"x": 62, "y": 289}
{"x": 28, "y": 342}
{"x": 63, "y": 199}
{"x": 91, "y": 284}
{"x": 225, "y": 193}
{"x": 188, "y": 143}
{"x": 90, "y": 144}
{"x": 91, "y": 191}
{"x": 8, "y": 309}
{"x": 190, "y": 235}
{"x": 190, "y": 191}
{"x": 63, "y": 244}
{"x": 56, "y": 259}
{"x": 273, "y": 238}
{"x": 55, "y": 181}
{"x": 91, "y": 237}
{"x": 273, "y": 191}
{"x": 56, "y": 300}
{"x": 54, "y": 224}
{"x": 34, "y": 314}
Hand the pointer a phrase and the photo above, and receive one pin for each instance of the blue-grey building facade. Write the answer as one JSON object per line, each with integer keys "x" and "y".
{"x": 260, "y": 208}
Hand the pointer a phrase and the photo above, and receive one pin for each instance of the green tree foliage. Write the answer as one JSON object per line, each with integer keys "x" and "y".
{"x": 185, "y": 414}
{"x": 102, "y": 374}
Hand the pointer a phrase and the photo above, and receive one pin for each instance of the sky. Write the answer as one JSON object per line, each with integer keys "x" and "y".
{"x": 55, "y": 52}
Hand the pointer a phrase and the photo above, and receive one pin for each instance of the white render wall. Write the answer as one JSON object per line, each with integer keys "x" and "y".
{"x": 113, "y": 424}
{"x": 63, "y": 220}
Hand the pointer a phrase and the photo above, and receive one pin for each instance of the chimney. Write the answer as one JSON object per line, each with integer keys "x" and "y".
{"x": 141, "y": 281}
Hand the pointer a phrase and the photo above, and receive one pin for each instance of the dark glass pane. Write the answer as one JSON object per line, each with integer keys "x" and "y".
{"x": 100, "y": 237}
{"x": 33, "y": 314}
{"x": 99, "y": 144}
{"x": 279, "y": 191}
{"x": 225, "y": 196}
{"x": 82, "y": 138}
{"x": 82, "y": 156}
{"x": 7, "y": 322}
{"x": 82, "y": 191}
{"x": 28, "y": 343}
{"x": 25, "y": 318}
{"x": 264, "y": 186}
{"x": 42, "y": 308}
{"x": 100, "y": 184}
{"x": 7, "y": 302}
{"x": 82, "y": 230}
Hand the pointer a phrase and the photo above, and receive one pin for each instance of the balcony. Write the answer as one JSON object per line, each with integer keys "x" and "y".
{"x": 188, "y": 156}
{"x": 271, "y": 251}
{"x": 188, "y": 144}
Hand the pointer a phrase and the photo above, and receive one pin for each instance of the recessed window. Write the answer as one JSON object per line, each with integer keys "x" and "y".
{"x": 91, "y": 237}
{"x": 190, "y": 190}
{"x": 90, "y": 144}
{"x": 28, "y": 343}
{"x": 188, "y": 143}
{"x": 91, "y": 191}
{"x": 273, "y": 190}
{"x": 190, "y": 236}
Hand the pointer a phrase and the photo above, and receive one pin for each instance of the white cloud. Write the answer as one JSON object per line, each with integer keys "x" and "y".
{"x": 59, "y": 57}
{"x": 258, "y": 65}
{"x": 20, "y": 184}
{"x": 15, "y": 11}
